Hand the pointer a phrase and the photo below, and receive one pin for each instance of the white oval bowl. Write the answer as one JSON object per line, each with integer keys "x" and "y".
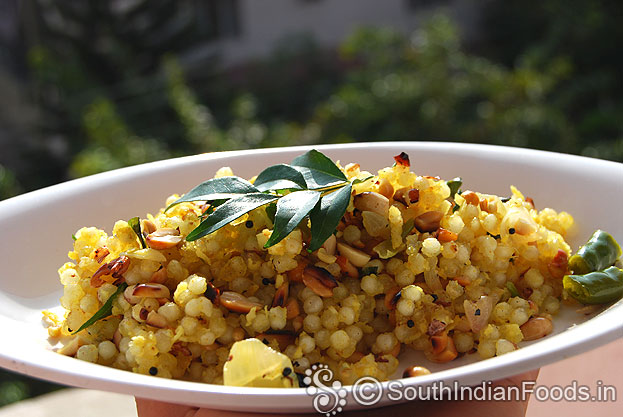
{"x": 37, "y": 227}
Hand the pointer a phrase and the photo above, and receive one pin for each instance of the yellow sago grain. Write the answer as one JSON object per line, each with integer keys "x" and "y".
{"x": 534, "y": 278}
{"x": 371, "y": 285}
{"x": 503, "y": 346}
{"x": 277, "y": 317}
{"x": 197, "y": 285}
{"x": 88, "y": 353}
{"x": 486, "y": 349}
{"x": 330, "y": 318}
{"x": 412, "y": 292}
{"x": 519, "y": 316}
{"x": 339, "y": 340}
{"x": 323, "y": 338}
{"x": 106, "y": 350}
{"x": 312, "y": 323}
{"x": 464, "y": 342}
{"x": 346, "y": 315}
{"x": 405, "y": 277}
{"x": 551, "y": 305}
{"x": 454, "y": 289}
{"x": 224, "y": 172}
{"x": 431, "y": 247}
{"x": 405, "y": 307}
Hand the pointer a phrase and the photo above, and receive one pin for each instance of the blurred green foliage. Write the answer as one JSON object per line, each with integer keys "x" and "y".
{"x": 587, "y": 35}
{"x": 111, "y": 144}
{"x": 545, "y": 76}
{"x": 14, "y": 387}
{"x": 426, "y": 88}
{"x": 423, "y": 87}
{"x": 8, "y": 184}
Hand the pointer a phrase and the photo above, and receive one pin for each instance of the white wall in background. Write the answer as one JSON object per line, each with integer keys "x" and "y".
{"x": 262, "y": 23}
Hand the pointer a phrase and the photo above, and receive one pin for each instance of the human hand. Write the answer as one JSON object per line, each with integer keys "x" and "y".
{"x": 430, "y": 408}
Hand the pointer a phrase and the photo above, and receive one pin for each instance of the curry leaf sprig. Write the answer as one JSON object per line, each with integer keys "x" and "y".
{"x": 310, "y": 186}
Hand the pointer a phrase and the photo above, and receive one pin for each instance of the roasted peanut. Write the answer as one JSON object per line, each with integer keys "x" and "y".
{"x": 536, "y": 328}
{"x": 319, "y": 280}
{"x": 371, "y": 201}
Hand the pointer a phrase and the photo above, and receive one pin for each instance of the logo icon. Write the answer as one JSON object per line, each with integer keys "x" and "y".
{"x": 329, "y": 398}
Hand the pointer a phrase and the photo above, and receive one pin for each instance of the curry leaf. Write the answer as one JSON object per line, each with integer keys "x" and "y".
{"x": 135, "y": 224}
{"x": 280, "y": 177}
{"x": 105, "y": 310}
{"x": 327, "y": 214}
{"x": 230, "y": 211}
{"x": 368, "y": 270}
{"x": 310, "y": 175}
{"x": 359, "y": 181}
{"x": 407, "y": 227}
{"x": 512, "y": 289}
{"x": 291, "y": 209}
{"x": 454, "y": 185}
{"x": 217, "y": 189}
{"x": 318, "y": 170}
{"x": 271, "y": 211}
{"x": 213, "y": 205}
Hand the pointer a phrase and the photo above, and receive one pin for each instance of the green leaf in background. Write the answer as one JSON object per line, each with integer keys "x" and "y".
{"x": 454, "y": 185}
{"x": 230, "y": 211}
{"x": 291, "y": 209}
{"x": 327, "y": 214}
{"x": 105, "y": 310}
{"x": 217, "y": 189}
{"x": 318, "y": 170}
{"x": 280, "y": 177}
{"x": 74, "y": 237}
{"x": 135, "y": 224}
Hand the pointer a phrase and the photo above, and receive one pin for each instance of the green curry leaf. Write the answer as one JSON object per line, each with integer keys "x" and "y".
{"x": 280, "y": 177}
{"x": 135, "y": 224}
{"x": 359, "y": 181}
{"x": 105, "y": 310}
{"x": 454, "y": 185}
{"x": 327, "y": 214}
{"x": 230, "y": 211}
{"x": 318, "y": 170}
{"x": 407, "y": 227}
{"x": 217, "y": 189}
{"x": 291, "y": 209}
{"x": 311, "y": 186}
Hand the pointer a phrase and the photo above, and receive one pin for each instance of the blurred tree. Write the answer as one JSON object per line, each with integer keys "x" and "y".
{"x": 83, "y": 52}
{"x": 9, "y": 186}
{"x": 427, "y": 88}
{"x": 16, "y": 387}
{"x": 587, "y": 34}
{"x": 196, "y": 119}
{"x": 292, "y": 80}
{"x": 111, "y": 144}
